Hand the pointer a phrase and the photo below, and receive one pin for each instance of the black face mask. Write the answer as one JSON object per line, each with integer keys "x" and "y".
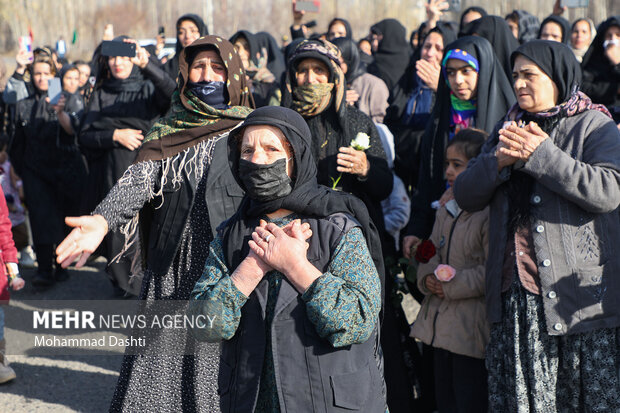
{"x": 265, "y": 182}
{"x": 212, "y": 93}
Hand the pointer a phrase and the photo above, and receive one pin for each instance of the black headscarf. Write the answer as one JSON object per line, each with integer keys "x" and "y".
{"x": 529, "y": 25}
{"x": 202, "y": 27}
{"x": 346, "y": 24}
{"x": 477, "y": 9}
{"x": 557, "y": 61}
{"x": 595, "y": 60}
{"x": 351, "y": 56}
{"x": 562, "y": 22}
{"x": 171, "y": 67}
{"x": 392, "y": 56}
{"x": 307, "y": 198}
{"x": 494, "y": 97}
{"x": 498, "y": 33}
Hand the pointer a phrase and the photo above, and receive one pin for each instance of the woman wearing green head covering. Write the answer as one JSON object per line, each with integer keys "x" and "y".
{"x": 178, "y": 191}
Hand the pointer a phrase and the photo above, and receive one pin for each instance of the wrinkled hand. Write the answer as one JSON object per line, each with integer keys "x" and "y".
{"x": 263, "y": 74}
{"x": 88, "y": 232}
{"x": 410, "y": 242}
{"x": 17, "y": 283}
{"x": 447, "y": 196}
{"x": 429, "y": 73}
{"x": 352, "y": 96}
{"x": 129, "y": 138}
{"x": 520, "y": 143}
{"x": 278, "y": 249}
{"x": 352, "y": 161}
{"x": 434, "y": 285}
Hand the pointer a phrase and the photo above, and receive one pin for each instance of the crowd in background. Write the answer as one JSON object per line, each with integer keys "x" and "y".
{"x": 490, "y": 145}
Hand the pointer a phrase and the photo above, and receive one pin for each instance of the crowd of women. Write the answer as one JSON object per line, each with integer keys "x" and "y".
{"x": 275, "y": 187}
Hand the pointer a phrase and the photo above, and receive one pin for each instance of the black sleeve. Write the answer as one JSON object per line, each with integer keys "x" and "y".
{"x": 602, "y": 88}
{"x": 422, "y": 215}
{"x": 164, "y": 85}
{"x": 379, "y": 182}
{"x": 91, "y": 137}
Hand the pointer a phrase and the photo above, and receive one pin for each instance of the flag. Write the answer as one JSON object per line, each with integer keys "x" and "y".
{"x": 75, "y": 37}
{"x": 31, "y": 34}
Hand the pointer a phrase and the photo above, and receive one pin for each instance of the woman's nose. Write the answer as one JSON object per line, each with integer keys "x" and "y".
{"x": 258, "y": 157}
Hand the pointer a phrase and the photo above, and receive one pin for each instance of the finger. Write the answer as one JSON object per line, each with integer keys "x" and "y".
{"x": 68, "y": 261}
{"x": 263, "y": 232}
{"x": 511, "y": 153}
{"x": 256, "y": 249}
{"x": 275, "y": 230}
{"x": 510, "y": 143}
{"x": 258, "y": 240}
{"x": 262, "y": 223}
{"x": 82, "y": 260}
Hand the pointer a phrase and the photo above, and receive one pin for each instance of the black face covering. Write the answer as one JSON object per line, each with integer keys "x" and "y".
{"x": 212, "y": 93}
{"x": 265, "y": 182}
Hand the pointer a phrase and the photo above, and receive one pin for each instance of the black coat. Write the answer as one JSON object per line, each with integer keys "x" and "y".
{"x": 50, "y": 164}
{"x": 134, "y": 106}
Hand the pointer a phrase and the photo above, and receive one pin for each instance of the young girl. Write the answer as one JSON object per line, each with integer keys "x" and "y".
{"x": 9, "y": 277}
{"x": 452, "y": 318}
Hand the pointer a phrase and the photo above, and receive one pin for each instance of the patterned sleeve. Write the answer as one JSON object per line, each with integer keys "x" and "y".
{"x": 344, "y": 303}
{"x": 216, "y": 299}
{"x": 134, "y": 189}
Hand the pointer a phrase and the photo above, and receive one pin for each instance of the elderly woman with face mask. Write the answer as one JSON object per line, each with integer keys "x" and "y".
{"x": 178, "y": 191}
{"x": 293, "y": 279}
{"x": 550, "y": 173}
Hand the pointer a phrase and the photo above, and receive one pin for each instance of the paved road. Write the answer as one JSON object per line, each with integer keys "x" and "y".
{"x": 62, "y": 383}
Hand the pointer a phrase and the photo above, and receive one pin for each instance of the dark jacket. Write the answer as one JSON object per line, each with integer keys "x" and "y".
{"x": 576, "y": 227}
{"x": 136, "y": 107}
{"x": 311, "y": 374}
{"x": 162, "y": 236}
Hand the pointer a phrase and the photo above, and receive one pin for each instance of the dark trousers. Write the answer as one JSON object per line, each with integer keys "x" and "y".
{"x": 460, "y": 383}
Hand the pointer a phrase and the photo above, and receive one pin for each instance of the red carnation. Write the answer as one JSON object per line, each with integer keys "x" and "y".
{"x": 426, "y": 251}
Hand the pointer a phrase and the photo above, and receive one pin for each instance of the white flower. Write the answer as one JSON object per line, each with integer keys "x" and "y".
{"x": 361, "y": 142}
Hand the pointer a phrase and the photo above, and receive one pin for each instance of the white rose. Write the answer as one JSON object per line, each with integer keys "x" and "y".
{"x": 361, "y": 142}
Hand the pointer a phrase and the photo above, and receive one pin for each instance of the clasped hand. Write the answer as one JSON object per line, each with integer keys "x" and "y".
{"x": 518, "y": 143}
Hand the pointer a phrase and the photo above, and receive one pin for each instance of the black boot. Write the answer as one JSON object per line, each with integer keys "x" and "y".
{"x": 43, "y": 279}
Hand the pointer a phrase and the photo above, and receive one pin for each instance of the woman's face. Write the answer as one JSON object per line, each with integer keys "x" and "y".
{"x": 432, "y": 48}
{"x": 536, "y": 92}
{"x": 336, "y": 30}
{"x": 463, "y": 79}
{"x": 264, "y": 144}
{"x": 120, "y": 66}
{"x": 311, "y": 72}
{"x": 551, "y": 31}
{"x": 470, "y": 17}
{"x": 71, "y": 81}
{"x": 187, "y": 32}
{"x": 208, "y": 66}
{"x": 455, "y": 163}
{"x": 243, "y": 48}
{"x": 612, "y": 33}
{"x": 365, "y": 47}
{"x": 581, "y": 36}
{"x": 84, "y": 74}
{"x": 514, "y": 27}
{"x": 41, "y": 73}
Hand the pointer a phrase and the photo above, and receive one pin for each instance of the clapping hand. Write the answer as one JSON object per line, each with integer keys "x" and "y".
{"x": 520, "y": 143}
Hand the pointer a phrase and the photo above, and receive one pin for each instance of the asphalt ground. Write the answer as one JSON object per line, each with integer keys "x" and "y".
{"x": 79, "y": 383}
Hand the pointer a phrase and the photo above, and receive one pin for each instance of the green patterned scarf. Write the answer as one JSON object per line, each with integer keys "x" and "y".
{"x": 310, "y": 100}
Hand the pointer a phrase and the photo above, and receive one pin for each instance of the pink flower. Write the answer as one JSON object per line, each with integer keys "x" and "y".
{"x": 444, "y": 272}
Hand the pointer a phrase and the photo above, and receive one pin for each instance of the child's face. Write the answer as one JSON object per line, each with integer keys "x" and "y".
{"x": 456, "y": 163}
